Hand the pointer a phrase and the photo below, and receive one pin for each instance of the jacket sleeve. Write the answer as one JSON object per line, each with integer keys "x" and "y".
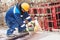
{"x": 18, "y": 19}
{"x": 27, "y": 17}
{"x": 17, "y": 15}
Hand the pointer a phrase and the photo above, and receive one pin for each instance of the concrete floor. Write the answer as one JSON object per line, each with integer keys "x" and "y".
{"x": 46, "y": 36}
{"x": 37, "y": 36}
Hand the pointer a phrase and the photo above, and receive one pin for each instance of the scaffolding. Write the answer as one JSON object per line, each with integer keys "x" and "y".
{"x": 51, "y": 15}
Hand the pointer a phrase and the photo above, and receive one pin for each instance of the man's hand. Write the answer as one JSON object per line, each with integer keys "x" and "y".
{"x": 26, "y": 21}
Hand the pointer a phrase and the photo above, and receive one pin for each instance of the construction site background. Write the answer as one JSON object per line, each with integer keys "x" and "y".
{"x": 6, "y": 4}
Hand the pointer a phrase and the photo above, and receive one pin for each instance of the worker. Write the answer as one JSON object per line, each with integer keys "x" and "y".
{"x": 16, "y": 16}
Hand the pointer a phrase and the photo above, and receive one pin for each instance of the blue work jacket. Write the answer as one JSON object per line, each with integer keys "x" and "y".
{"x": 13, "y": 16}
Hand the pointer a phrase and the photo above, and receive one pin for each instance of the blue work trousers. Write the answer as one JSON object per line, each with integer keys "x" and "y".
{"x": 12, "y": 26}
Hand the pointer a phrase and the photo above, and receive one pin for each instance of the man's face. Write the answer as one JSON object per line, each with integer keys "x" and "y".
{"x": 23, "y": 10}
